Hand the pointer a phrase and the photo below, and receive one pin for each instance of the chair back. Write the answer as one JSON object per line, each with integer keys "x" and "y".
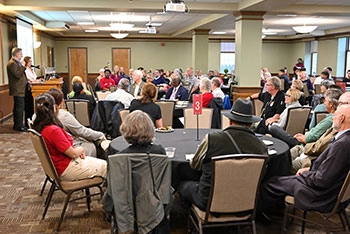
{"x": 43, "y": 154}
{"x": 123, "y": 114}
{"x": 320, "y": 116}
{"x": 342, "y": 85}
{"x": 92, "y": 91}
{"x": 317, "y": 89}
{"x": 296, "y": 119}
{"x": 130, "y": 174}
{"x": 101, "y": 95}
{"x": 344, "y": 194}
{"x": 305, "y": 90}
{"x": 80, "y": 109}
{"x": 204, "y": 120}
{"x": 225, "y": 122}
{"x": 282, "y": 85}
{"x": 235, "y": 183}
{"x": 167, "y": 109}
{"x": 257, "y": 106}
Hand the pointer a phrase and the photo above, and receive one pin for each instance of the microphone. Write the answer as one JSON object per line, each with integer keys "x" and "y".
{"x": 37, "y": 66}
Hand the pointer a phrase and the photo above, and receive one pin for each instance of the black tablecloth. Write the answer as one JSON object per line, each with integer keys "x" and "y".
{"x": 185, "y": 141}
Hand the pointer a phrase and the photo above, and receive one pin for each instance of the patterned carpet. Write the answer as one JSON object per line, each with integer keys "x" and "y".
{"x": 21, "y": 207}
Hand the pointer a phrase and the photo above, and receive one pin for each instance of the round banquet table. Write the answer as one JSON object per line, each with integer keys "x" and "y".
{"x": 185, "y": 141}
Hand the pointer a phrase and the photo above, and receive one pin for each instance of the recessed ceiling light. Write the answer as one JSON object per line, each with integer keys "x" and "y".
{"x": 85, "y": 23}
{"x": 91, "y": 30}
{"x": 121, "y": 26}
{"x": 218, "y": 33}
{"x": 287, "y": 15}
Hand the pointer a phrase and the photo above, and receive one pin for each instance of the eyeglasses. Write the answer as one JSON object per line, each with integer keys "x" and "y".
{"x": 287, "y": 95}
{"x": 269, "y": 84}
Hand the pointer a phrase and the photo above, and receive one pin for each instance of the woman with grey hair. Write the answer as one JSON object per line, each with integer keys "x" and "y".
{"x": 138, "y": 130}
{"x": 204, "y": 88}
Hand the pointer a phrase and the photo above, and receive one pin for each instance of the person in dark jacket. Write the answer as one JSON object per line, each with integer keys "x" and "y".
{"x": 317, "y": 188}
{"x": 17, "y": 84}
{"x": 274, "y": 105}
{"x": 79, "y": 93}
{"x": 219, "y": 143}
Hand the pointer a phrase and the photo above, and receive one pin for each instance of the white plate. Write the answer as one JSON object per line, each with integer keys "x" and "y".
{"x": 163, "y": 130}
{"x": 271, "y": 152}
{"x": 267, "y": 142}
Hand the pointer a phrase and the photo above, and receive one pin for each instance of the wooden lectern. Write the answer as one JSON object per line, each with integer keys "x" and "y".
{"x": 39, "y": 88}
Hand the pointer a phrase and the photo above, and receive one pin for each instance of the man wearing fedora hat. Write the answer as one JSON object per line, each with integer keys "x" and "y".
{"x": 220, "y": 143}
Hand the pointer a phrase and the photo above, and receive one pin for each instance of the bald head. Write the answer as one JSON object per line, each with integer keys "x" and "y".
{"x": 341, "y": 118}
{"x": 344, "y": 98}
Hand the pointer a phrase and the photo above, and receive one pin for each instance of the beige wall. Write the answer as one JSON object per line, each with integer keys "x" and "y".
{"x": 150, "y": 55}
{"x": 327, "y": 55}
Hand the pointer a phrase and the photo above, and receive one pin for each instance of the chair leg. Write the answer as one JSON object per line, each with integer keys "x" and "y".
{"x": 200, "y": 228}
{"x": 253, "y": 227}
{"x": 88, "y": 198}
{"x": 285, "y": 217}
{"x": 44, "y": 185}
{"x": 346, "y": 221}
{"x": 303, "y": 222}
{"x": 48, "y": 199}
{"x": 325, "y": 224}
{"x": 113, "y": 224}
{"x": 63, "y": 212}
{"x": 342, "y": 220}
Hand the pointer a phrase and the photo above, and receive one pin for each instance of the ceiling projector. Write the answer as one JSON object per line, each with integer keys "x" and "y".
{"x": 175, "y": 7}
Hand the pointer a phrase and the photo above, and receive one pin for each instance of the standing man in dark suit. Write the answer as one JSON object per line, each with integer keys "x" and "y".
{"x": 17, "y": 83}
{"x": 317, "y": 187}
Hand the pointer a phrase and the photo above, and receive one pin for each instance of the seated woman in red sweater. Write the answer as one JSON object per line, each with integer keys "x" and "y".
{"x": 70, "y": 162}
{"x": 204, "y": 88}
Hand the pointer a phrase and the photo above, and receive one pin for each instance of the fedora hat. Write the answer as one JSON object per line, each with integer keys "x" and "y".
{"x": 242, "y": 112}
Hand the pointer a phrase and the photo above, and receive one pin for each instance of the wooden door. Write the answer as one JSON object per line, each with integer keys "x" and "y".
{"x": 121, "y": 57}
{"x": 77, "y": 64}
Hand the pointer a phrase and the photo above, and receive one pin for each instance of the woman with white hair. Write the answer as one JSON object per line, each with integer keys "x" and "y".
{"x": 204, "y": 88}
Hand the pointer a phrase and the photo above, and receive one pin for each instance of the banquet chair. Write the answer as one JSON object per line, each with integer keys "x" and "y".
{"x": 167, "y": 109}
{"x": 92, "y": 91}
{"x": 123, "y": 114}
{"x": 101, "y": 95}
{"x": 67, "y": 187}
{"x": 317, "y": 89}
{"x": 305, "y": 90}
{"x": 79, "y": 108}
{"x": 145, "y": 184}
{"x": 106, "y": 118}
{"x": 204, "y": 120}
{"x": 320, "y": 116}
{"x": 338, "y": 209}
{"x": 296, "y": 119}
{"x": 233, "y": 192}
{"x": 30, "y": 125}
{"x": 225, "y": 121}
{"x": 282, "y": 85}
{"x": 257, "y": 106}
